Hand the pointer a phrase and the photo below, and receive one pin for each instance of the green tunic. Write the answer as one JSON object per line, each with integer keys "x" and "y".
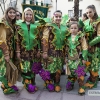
{"x": 56, "y": 50}
{"x": 29, "y": 44}
{"x": 7, "y": 38}
{"x": 94, "y": 41}
{"x": 74, "y": 50}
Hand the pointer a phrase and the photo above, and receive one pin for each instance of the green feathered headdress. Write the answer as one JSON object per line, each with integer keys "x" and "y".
{"x": 81, "y": 24}
{"x": 43, "y": 21}
{"x": 64, "y": 19}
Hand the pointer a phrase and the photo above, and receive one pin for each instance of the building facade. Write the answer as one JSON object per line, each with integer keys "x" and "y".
{"x": 66, "y": 6}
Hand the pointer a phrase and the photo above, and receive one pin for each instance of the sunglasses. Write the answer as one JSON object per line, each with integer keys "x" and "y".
{"x": 17, "y": 15}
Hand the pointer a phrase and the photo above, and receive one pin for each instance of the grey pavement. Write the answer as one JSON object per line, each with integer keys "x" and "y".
{"x": 43, "y": 94}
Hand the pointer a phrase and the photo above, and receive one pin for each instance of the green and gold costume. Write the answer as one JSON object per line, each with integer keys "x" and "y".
{"x": 53, "y": 43}
{"x": 92, "y": 30}
{"x": 76, "y": 47}
{"x": 8, "y": 76}
{"x": 28, "y": 43}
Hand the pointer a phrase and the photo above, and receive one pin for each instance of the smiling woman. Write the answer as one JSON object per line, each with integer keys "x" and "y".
{"x": 92, "y": 28}
{"x": 28, "y": 49}
{"x": 53, "y": 52}
{"x": 11, "y": 14}
{"x": 8, "y": 76}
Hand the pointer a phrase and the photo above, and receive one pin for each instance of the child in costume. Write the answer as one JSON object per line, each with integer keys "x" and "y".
{"x": 92, "y": 30}
{"x": 8, "y": 76}
{"x": 53, "y": 48}
{"x": 28, "y": 49}
{"x": 71, "y": 20}
{"x": 75, "y": 45}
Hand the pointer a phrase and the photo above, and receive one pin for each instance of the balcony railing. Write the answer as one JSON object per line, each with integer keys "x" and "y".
{"x": 47, "y": 3}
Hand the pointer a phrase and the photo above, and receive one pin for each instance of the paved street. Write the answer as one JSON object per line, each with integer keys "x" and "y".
{"x": 43, "y": 94}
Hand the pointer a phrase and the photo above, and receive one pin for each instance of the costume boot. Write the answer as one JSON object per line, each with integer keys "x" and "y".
{"x": 57, "y": 81}
{"x": 49, "y": 85}
{"x": 46, "y": 76}
{"x": 7, "y": 87}
{"x": 29, "y": 82}
{"x": 81, "y": 85}
{"x": 92, "y": 80}
{"x": 70, "y": 83}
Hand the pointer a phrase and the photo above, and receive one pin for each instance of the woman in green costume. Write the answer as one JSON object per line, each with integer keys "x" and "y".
{"x": 28, "y": 49}
{"x": 8, "y": 71}
{"x": 76, "y": 47}
{"x": 53, "y": 47}
{"x": 92, "y": 30}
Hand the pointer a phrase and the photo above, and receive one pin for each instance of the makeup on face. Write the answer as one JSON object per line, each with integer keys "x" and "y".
{"x": 74, "y": 29}
{"x": 90, "y": 13}
{"x": 28, "y": 16}
{"x": 11, "y": 14}
{"x": 57, "y": 17}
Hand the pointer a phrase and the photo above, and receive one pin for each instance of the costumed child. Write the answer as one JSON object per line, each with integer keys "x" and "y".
{"x": 76, "y": 47}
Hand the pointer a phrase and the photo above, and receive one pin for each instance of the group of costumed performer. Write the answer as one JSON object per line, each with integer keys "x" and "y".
{"x": 91, "y": 30}
{"x": 44, "y": 52}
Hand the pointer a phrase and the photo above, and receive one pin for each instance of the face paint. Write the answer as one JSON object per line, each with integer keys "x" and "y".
{"x": 57, "y": 17}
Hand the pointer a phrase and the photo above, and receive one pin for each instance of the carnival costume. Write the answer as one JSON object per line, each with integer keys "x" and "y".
{"x": 76, "y": 52}
{"x": 92, "y": 31}
{"x": 8, "y": 71}
{"x": 53, "y": 44}
{"x": 28, "y": 44}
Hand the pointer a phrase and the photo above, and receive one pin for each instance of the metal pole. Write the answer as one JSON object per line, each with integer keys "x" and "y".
{"x": 16, "y": 2}
{"x": 56, "y": 4}
{"x": 4, "y": 4}
{"x": 1, "y": 8}
{"x": 5, "y": 1}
